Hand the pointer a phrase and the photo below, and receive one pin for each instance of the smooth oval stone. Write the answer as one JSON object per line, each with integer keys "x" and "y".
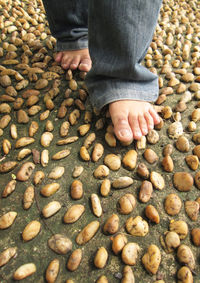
{"x": 183, "y": 181}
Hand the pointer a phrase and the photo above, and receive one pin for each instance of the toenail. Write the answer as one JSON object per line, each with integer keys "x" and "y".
{"x": 124, "y": 132}
{"x": 138, "y": 134}
{"x": 145, "y": 132}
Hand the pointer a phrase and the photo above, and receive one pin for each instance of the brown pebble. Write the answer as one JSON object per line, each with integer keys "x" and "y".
{"x": 97, "y": 152}
{"x": 74, "y": 260}
{"x": 113, "y": 161}
{"x": 180, "y": 106}
{"x": 126, "y": 203}
{"x": 150, "y": 156}
{"x": 146, "y": 191}
{"x": 197, "y": 179}
{"x": 36, "y": 156}
{"x": 192, "y": 209}
{"x": 112, "y": 225}
{"x": 168, "y": 164}
{"x": 196, "y": 150}
{"x": 130, "y": 159}
{"x": 183, "y": 181}
{"x": 143, "y": 171}
{"x": 182, "y": 144}
{"x": 101, "y": 172}
{"x": 152, "y": 214}
{"x": 157, "y": 180}
{"x": 22, "y": 117}
{"x": 192, "y": 161}
{"x": 172, "y": 204}
{"x": 105, "y": 187}
{"x": 76, "y": 190}
{"x": 168, "y": 149}
{"x": 195, "y": 233}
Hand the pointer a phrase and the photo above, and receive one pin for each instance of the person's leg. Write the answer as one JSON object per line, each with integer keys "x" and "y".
{"x": 68, "y": 22}
{"x": 119, "y": 35}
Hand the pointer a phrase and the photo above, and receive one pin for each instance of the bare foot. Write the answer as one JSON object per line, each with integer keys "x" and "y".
{"x": 132, "y": 119}
{"x": 73, "y": 59}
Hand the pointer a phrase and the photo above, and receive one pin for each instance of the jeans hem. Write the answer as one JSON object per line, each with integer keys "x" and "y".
{"x": 75, "y": 45}
{"x": 101, "y": 96}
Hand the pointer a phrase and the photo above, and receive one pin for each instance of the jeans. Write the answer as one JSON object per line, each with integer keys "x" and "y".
{"x": 119, "y": 33}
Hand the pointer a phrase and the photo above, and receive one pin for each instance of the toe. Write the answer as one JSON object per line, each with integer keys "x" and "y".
{"x": 85, "y": 65}
{"x": 65, "y": 63}
{"x": 122, "y": 129}
{"x": 155, "y": 116}
{"x": 135, "y": 126}
{"x": 58, "y": 56}
{"x": 74, "y": 63}
{"x": 143, "y": 125}
{"x": 149, "y": 121}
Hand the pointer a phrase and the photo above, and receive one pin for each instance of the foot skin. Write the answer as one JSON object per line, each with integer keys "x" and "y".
{"x": 74, "y": 59}
{"x": 132, "y": 119}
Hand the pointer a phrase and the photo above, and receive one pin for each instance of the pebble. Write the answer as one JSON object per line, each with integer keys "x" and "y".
{"x": 150, "y": 156}
{"x": 74, "y": 260}
{"x": 74, "y": 213}
{"x": 192, "y": 209}
{"x": 78, "y": 170}
{"x": 112, "y": 225}
{"x": 87, "y": 233}
{"x": 152, "y": 259}
{"x": 146, "y": 191}
{"x": 168, "y": 164}
{"x": 182, "y": 144}
{"x": 126, "y": 203}
{"x": 101, "y": 258}
{"x": 143, "y": 171}
{"x": 195, "y": 233}
{"x": 31, "y": 230}
{"x": 113, "y": 161}
{"x": 137, "y": 226}
{"x": 185, "y": 256}
{"x": 175, "y": 130}
{"x": 49, "y": 189}
{"x": 122, "y": 182}
{"x": 152, "y": 214}
{"x": 101, "y": 172}
{"x": 76, "y": 190}
{"x": 172, "y": 204}
{"x": 105, "y": 187}
{"x": 96, "y": 205}
{"x": 60, "y": 244}
{"x": 7, "y": 255}
{"x": 183, "y": 181}
{"x": 52, "y": 271}
{"x": 153, "y": 137}
{"x": 130, "y": 159}
{"x": 157, "y": 180}
{"x": 7, "y": 219}
{"x": 180, "y": 227}
{"x": 28, "y": 197}
{"x": 51, "y": 208}
{"x": 192, "y": 161}
{"x": 56, "y": 172}
{"x": 24, "y": 271}
{"x": 130, "y": 253}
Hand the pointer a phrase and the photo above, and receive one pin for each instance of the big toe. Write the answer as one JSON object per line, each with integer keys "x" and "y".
{"x": 85, "y": 65}
{"x": 122, "y": 129}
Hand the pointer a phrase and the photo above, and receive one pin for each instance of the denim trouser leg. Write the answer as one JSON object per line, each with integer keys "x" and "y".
{"x": 119, "y": 35}
{"x": 68, "y": 21}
